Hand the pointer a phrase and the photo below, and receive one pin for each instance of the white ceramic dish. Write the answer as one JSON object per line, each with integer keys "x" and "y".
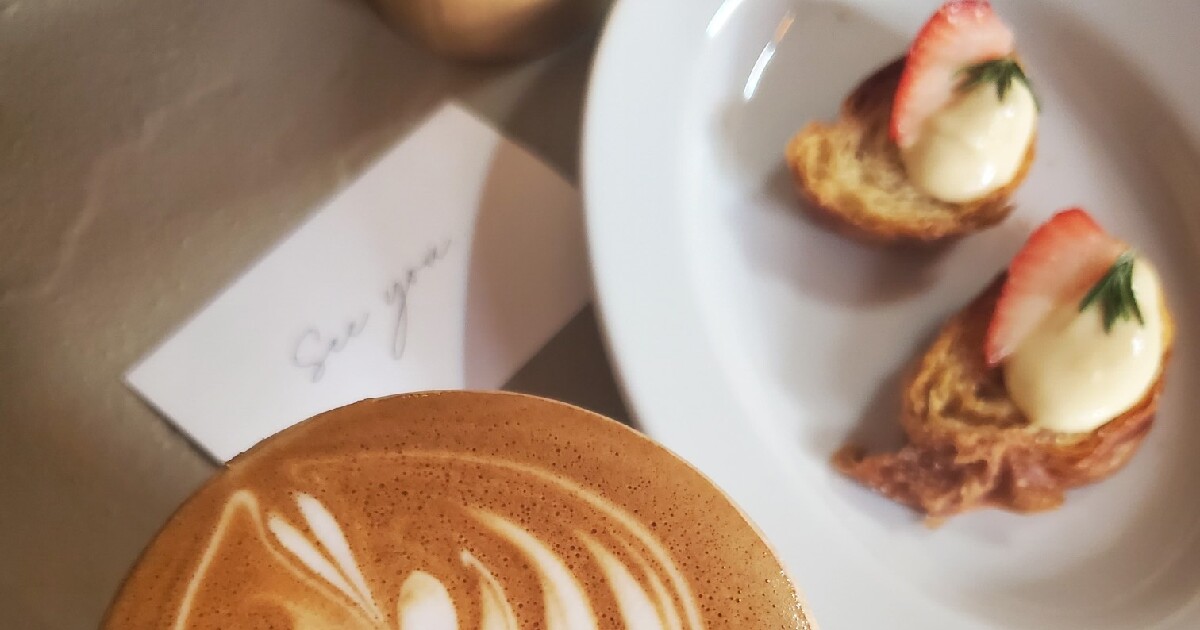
{"x": 753, "y": 341}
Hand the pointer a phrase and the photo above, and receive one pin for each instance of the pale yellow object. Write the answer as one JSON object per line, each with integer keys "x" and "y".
{"x": 1071, "y": 376}
{"x": 975, "y": 145}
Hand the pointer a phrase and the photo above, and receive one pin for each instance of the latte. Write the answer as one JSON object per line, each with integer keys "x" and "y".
{"x": 458, "y": 510}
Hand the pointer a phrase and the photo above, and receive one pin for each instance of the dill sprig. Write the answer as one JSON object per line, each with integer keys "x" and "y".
{"x": 1114, "y": 293}
{"x": 1001, "y": 72}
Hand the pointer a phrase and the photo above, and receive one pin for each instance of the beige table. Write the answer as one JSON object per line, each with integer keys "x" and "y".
{"x": 149, "y": 151}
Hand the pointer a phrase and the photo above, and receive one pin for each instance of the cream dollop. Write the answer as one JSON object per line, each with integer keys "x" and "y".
{"x": 1071, "y": 376}
{"x": 975, "y": 145}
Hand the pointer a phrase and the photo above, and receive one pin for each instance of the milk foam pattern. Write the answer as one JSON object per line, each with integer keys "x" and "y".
{"x": 639, "y": 574}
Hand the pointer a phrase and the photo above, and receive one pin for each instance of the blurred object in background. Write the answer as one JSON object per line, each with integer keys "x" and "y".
{"x": 494, "y": 30}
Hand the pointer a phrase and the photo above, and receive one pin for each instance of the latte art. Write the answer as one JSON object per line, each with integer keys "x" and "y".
{"x": 649, "y": 591}
{"x": 396, "y": 514}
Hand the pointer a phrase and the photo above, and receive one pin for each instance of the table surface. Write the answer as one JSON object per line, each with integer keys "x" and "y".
{"x": 151, "y": 151}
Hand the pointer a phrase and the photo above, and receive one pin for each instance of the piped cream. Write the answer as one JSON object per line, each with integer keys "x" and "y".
{"x": 975, "y": 145}
{"x": 1072, "y": 376}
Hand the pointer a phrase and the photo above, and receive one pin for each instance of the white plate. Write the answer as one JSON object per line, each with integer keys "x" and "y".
{"x": 753, "y": 342}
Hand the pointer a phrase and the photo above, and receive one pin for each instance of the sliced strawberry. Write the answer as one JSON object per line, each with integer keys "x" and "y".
{"x": 1058, "y": 264}
{"x": 961, "y": 34}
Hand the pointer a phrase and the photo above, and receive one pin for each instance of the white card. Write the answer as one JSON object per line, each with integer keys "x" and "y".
{"x": 447, "y": 265}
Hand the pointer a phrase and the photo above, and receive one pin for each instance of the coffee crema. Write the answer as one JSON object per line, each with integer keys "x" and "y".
{"x": 456, "y": 510}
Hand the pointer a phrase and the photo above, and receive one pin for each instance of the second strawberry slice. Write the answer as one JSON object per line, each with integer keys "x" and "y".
{"x": 1060, "y": 261}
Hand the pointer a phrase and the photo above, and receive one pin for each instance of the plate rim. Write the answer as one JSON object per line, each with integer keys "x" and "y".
{"x": 749, "y": 485}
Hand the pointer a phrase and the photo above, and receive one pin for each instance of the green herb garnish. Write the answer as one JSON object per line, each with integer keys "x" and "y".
{"x": 1114, "y": 293}
{"x": 1001, "y": 72}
